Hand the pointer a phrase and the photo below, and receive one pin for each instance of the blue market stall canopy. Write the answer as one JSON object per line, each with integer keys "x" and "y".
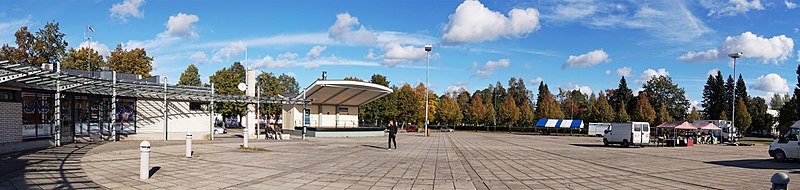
{"x": 560, "y": 123}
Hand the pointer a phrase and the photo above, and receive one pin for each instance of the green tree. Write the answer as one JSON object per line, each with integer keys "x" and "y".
{"x": 714, "y": 97}
{"x": 509, "y": 113}
{"x": 643, "y": 111}
{"x": 694, "y": 115}
{"x": 743, "y": 119}
{"x": 622, "y": 115}
{"x": 741, "y": 90}
{"x": 49, "y": 45}
{"x": 382, "y": 109}
{"x": 790, "y": 111}
{"x": 353, "y": 79}
{"x": 225, "y": 82}
{"x": 547, "y": 107}
{"x": 605, "y": 114}
{"x": 526, "y": 117}
{"x": 407, "y": 105}
{"x": 463, "y": 100}
{"x": 777, "y": 101}
{"x": 84, "y": 59}
{"x": 24, "y": 50}
{"x": 662, "y": 92}
{"x": 622, "y": 94}
{"x": 758, "y": 111}
{"x": 190, "y": 77}
{"x": 662, "y": 116}
{"x": 133, "y": 61}
{"x": 272, "y": 86}
{"x": 448, "y": 113}
{"x": 729, "y": 84}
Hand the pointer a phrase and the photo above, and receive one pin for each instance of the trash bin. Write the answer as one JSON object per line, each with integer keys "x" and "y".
{"x": 690, "y": 142}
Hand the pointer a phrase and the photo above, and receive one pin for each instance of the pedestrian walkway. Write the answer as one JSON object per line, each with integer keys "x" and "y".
{"x": 53, "y": 168}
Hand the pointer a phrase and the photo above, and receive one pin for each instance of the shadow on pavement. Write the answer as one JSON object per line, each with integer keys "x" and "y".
{"x": 373, "y": 146}
{"x": 153, "y": 170}
{"x": 601, "y": 146}
{"x": 50, "y": 168}
{"x": 758, "y": 164}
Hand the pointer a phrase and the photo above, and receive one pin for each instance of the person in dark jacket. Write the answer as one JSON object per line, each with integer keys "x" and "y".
{"x": 392, "y": 135}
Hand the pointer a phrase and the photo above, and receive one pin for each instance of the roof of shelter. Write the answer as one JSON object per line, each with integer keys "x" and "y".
{"x": 560, "y": 123}
{"x": 343, "y": 92}
{"x": 26, "y": 76}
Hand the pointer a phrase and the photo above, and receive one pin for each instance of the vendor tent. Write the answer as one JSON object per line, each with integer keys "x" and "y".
{"x": 678, "y": 125}
{"x": 706, "y": 126}
{"x": 560, "y": 123}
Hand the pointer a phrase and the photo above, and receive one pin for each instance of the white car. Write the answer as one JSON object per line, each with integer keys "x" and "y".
{"x": 218, "y": 130}
{"x": 627, "y": 134}
{"x": 446, "y": 129}
{"x": 787, "y": 145}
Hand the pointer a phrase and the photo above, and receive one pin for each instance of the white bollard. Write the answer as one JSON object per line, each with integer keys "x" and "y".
{"x": 244, "y": 136}
{"x": 188, "y": 144}
{"x": 144, "y": 162}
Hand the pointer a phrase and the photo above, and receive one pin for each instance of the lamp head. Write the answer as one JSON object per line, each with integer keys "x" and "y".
{"x": 428, "y": 47}
{"x": 735, "y": 55}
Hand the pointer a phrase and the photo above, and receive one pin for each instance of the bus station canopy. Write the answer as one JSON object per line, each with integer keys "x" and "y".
{"x": 560, "y": 123}
{"x": 343, "y": 92}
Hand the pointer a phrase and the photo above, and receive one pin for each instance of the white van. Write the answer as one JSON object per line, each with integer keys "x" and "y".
{"x": 787, "y": 145}
{"x": 598, "y": 129}
{"x": 626, "y": 134}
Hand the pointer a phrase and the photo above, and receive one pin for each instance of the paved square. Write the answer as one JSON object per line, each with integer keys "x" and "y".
{"x": 460, "y": 160}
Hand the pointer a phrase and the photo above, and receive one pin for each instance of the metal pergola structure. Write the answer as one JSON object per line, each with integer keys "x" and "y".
{"x": 26, "y": 76}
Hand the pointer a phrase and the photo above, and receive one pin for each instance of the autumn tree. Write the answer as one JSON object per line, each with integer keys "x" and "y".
{"x": 477, "y": 110}
{"x": 546, "y": 105}
{"x": 662, "y": 116}
{"x": 190, "y": 77}
{"x": 526, "y": 116}
{"x": 84, "y": 59}
{"x": 694, "y": 115}
{"x": 605, "y": 114}
{"x": 133, "y": 61}
{"x": 448, "y": 113}
{"x": 743, "y": 119}
{"x": 509, "y": 113}
{"x": 622, "y": 115}
{"x": 643, "y": 111}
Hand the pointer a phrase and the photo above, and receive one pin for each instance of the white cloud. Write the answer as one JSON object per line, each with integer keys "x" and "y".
{"x": 624, "y": 71}
{"x": 182, "y": 25}
{"x": 8, "y": 28}
{"x": 490, "y": 66}
{"x": 712, "y": 72}
{"x": 536, "y": 81}
{"x": 291, "y": 74}
{"x": 771, "y": 83}
{"x": 102, "y": 49}
{"x": 669, "y": 21}
{"x": 269, "y": 62}
{"x": 199, "y": 57}
{"x": 731, "y": 8}
{"x": 127, "y": 8}
{"x": 571, "y": 86}
{"x": 789, "y": 4}
{"x": 608, "y": 72}
{"x": 395, "y": 53}
{"x": 347, "y": 29}
{"x": 650, "y": 74}
{"x": 473, "y": 22}
{"x": 233, "y": 49}
{"x": 316, "y": 51}
{"x": 775, "y": 49}
{"x": 458, "y": 86}
{"x": 287, "y": 55}
{"x": 587, "y": 60}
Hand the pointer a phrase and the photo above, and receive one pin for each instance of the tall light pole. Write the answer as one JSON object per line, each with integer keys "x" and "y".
{"x": 428, "y": 49}
{"x": 733, "y": 103}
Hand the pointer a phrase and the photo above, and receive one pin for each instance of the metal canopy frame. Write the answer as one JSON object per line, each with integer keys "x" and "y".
{"x": 27, "y": 76}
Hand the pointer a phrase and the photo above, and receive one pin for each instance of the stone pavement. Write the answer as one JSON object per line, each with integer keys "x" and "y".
{"x": 460, "y": 160}
{"x": 54, "y": 168}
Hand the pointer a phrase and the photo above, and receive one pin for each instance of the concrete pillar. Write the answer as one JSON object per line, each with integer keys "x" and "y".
{"x": 250, "y": 117}
{"x": 144, "y": 160}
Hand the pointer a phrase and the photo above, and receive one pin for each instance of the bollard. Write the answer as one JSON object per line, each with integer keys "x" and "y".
{"x": 188, "y": 144}
{"x": 244, "y": 136}
{"x": 144, "y": 162}
{"x": 780, "y": 181}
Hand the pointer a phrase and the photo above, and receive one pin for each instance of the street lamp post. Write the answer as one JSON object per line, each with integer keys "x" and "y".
{"x": 733, "y": 103}
{"x": 428, "y": 49}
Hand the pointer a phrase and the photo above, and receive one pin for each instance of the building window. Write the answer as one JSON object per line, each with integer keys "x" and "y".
{"x": 197, "y": 106}
{"x": 9, "y": 96}
{"x": 37, "y": 115}
{"x": 341, "y": 109}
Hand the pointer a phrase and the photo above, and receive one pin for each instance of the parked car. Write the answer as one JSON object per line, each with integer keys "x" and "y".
{"x": 218, "y": 130}
{"x": 232, "y": 123}
{"x": 412, "y": 129}
{"x": 446, "y": 129}
{"x": 787, "y": 145}
{"x": 626, "y": 134}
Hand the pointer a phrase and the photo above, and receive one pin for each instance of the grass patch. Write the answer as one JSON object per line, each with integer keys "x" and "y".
{"x": 241, "y": 147}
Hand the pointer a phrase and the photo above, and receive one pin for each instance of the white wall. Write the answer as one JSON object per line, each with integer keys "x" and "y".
{"x": 326, "y": 117}
{"x": 150, "y": 121}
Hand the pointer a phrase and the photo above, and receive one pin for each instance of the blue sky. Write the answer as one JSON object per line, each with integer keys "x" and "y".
{"x": 576, "y": 44}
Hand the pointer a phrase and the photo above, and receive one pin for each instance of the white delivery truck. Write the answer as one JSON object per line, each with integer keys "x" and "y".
{"x": 626, "y": 134}
{"x": 787, "y": 145}
{"x": 598, "y": 129}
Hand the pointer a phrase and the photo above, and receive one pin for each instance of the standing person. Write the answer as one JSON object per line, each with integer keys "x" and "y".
{"x": 392, "y": 135}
